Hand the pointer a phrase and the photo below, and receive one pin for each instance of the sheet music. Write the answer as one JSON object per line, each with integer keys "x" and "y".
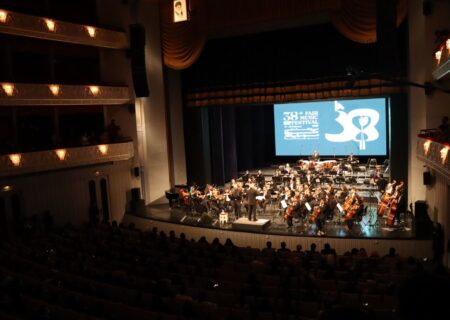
{"x": 339, "y": 207}
{"x": 283, "y": 204}
{"x": 308, "y": 206}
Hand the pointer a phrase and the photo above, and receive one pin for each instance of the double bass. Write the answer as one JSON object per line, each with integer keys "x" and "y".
{"x": 393, "y": 208}
{"x": 385, "y": 200}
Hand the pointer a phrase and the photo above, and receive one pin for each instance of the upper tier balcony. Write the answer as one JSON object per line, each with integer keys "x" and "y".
{"x": 24, "y": 25}
{"x": 16, "y": 164}
{"x": 434, "y": 153}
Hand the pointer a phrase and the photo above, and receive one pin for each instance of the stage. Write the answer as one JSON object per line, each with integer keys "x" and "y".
{"x": 404, "y": 242}
{"x": 365, "y": 228}
{"x": 368, "y": 225}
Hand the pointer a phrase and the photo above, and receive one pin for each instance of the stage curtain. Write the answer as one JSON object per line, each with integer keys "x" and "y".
{"x": 356, "y": 19}
{"x": 326, "y": 89}
{"x": 182, "y": 42}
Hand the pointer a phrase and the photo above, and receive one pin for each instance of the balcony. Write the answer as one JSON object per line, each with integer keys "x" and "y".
{"x": 23, "y": 94}
{"x": 434, "y": 154}
{"x": 442, "y": 58}
{"x": 48, "y": 29}
{"x": 50, "y": 160}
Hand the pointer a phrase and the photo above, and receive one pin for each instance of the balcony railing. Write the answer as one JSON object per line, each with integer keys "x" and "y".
{"x": 49, "y": 29}
{"x": 22, "y": 94}
{"x": 435, "y": 154}
{"x": 49, "y": 160}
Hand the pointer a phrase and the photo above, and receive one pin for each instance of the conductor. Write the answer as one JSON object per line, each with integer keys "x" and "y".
{"x": 251, "y": 200}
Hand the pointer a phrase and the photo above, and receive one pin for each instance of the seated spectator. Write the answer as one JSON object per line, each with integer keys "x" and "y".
{"x": 312, "y": 250}
{"x": 424, "y": 296}
{"x": 283, "y": 248}
{"x": 444, "y": 129}
{"x": 328, "y": 250}
{"x": 113, "y": 131}
{"x": 391, "y": 253}
{"x": 268, "y": 249}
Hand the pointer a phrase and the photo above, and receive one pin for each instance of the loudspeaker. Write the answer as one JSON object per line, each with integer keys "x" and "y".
{"x": 135, "y": 194}
{"x": 386, "y": 19}
{"x": 136, "y": 171}
{"x": 424, "y": 225}
{"x": 137, "y": 54}
{"x": 426, "y": 178}
{"x": 426, "y": 7}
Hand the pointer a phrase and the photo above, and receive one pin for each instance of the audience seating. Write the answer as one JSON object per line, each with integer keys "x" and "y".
{"x": 104, "y": 272}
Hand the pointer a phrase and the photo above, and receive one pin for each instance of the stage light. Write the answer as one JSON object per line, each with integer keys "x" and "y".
{"x": 447, "y": 44}
{"x": 51, "y": 25}
{"x": 438, "y": 55}
{"x": 61, "y": 154}
{"x": 54, "y": 89}
{"x": 94, "y": 90}
{"x": 91, "y": 31}
{"x": 15, "y": 159}
{"x": 103, "y": 148}
{"x": 8, "y": 88}
{"x": 426, "y": 146}
{"x": 3, "y": 16}
{"x": 444, "y": 152}
{"x": 6, "y": 188}
{"x": 97, "y": 173}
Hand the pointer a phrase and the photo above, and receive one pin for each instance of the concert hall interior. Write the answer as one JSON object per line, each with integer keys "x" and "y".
{"x": 197, "y": 159}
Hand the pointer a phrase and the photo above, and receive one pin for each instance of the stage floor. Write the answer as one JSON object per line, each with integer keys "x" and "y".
{"x": 369, "y": 227}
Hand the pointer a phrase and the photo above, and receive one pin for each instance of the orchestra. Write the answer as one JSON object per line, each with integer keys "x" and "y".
{"x": 309, "y": 193}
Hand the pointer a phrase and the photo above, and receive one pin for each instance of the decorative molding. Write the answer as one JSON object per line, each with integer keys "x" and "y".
{"x": 24, "y": 94}
{"x": 49, "y": 29}
{"x": 48, "y": 160}
{"x": 434, "y": 156}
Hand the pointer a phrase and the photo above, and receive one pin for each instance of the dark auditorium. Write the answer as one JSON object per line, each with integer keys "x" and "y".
{"x": 224, "y": 159}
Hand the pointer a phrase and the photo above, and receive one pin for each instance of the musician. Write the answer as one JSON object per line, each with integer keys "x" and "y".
{"x": 236, "y": 194}
{"x": 267, "y": 198}
{"x": 354, "y": 206}
{"x": 320, "y": 220}
{"x": 390, "y": 188}
{"x": 292, "y": 210}
{"x": 260, "y": 180}
{"x": 330, "y": 206}
{"x": 380, "y": 181}
{"x": 310, "y": 178}
{"x": 246, "y": 177}
{"x": 251, "y": 202}
{"x": 315, "y": 156}
{"x": 351, "y": 158}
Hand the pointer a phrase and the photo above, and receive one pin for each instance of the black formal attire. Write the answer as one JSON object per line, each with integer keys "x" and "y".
{"x": 260, "y": 180}
{"x": 251, "y": 202}
{"x": 236, "y": 197}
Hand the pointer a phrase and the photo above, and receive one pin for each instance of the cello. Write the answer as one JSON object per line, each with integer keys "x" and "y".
{"x": 317, "y": 211}
{"x": 393, "y": 208}
{"x": 315, "y": 214}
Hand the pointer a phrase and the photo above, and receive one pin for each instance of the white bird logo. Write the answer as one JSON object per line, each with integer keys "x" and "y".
{"x": 368, "y": 119}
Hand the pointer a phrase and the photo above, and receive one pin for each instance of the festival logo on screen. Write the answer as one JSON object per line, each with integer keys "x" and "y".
{"x": 301, "y": 125}
{"x": 357, "y": 125}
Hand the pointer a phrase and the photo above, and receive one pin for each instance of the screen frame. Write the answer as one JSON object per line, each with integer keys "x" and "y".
{"x": 387, "y": 110}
